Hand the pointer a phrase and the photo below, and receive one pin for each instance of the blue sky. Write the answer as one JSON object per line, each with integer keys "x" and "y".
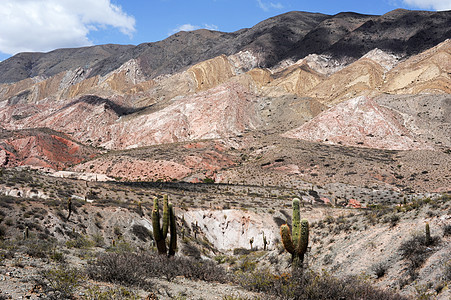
{"x": 44, "y": 25}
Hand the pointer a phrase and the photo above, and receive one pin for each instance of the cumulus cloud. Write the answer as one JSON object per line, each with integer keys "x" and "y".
{"x": 190, "y": 27}
{"x": 433, "y": 4}
{"x": 43, "y": 25}
{"x": 266, "y": 6}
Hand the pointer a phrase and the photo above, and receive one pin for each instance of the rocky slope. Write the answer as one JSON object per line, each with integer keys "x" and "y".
{"x": 41, "y": 148}
{"x": 216, "y": 223}
{"x": 359, "y": 122}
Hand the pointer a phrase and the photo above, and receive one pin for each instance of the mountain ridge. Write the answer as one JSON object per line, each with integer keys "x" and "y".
{"x": 280, "y": 37}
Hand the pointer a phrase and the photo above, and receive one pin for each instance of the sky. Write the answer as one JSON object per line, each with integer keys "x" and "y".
{"x": 45, "y": 25}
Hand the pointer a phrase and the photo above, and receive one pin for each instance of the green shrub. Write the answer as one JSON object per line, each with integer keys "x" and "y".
{"x": 80, "y": 242}
{"x": 379, "y": 269}
{"x": 120, "y": 293}
{"x": 238, "y": 297}
{"x": 189, "y": 249}
{"x": 63, "y": 280}
{"x": 36, "y": 248}
{"x": 447, "y": 230}
{"x": 260, "y": 281}
{"x": 121, "y": 247}
{"x": 393, "y": 219}
{"x": 57, "y": 256}
{"x": 98, "y": 240}
{"x": 447, "y": 273}
{"x": 241, "y": 251}
{"x": 247, "y": 264}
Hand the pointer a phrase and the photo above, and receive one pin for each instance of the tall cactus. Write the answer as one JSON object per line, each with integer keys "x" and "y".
{"x": 265, "y": 242}
{"x": 69, "y": 207}
{"x": 26, "y": 233}
{"x": 173, "y": 231}
{"x": 297, "y": 244}
{"x": 166, "y": 215}
{"x": 428, "y": 235}
{"x": 160, "y": 233}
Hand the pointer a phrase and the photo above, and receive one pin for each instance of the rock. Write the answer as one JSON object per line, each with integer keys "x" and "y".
{"x": 354, "y": 204}
{"x": 229, "y": 229}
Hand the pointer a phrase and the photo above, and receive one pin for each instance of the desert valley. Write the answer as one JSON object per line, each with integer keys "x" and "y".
{"x": 349, "y": 113}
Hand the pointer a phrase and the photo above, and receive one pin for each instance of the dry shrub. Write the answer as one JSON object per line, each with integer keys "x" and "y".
{"x": 36, "y": 248}
{"x": 379, "y": 269}
{"x": 312, "y": 286}
{"x": 447, "y": 230}
{"x": 191, "y": 250}
{"x": 415, "y": 249}
{"x": 138, "y": 268}
{"x": 2, "y": 232}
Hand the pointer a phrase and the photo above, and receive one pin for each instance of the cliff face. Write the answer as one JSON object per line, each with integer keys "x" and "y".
{"x": 288, "y": 76}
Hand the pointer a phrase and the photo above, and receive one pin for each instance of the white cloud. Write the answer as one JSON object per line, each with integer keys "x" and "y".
{"x": 43, "y": 25}
{"x": 434, "y": 4}
{"x": 211, "y": 27}
{"x": 268, "y": 6}
{"x": 190, "y": 27}
{"x": 186, "y": 27}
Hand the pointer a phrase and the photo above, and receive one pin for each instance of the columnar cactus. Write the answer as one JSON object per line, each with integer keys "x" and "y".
{"x": 297, "y": 244}
{"x": 160, "y": 233}
{"x": 69, "y": 207}
{"x": 140, "y": 209}
{"x": 428, "y": 235}
{"x": 172, "y": 231}
{"x": 265, "y": 242}
{"x": 26, "y": 233}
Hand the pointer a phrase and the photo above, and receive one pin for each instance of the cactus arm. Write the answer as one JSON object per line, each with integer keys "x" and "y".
{"x": 296, "y": 221}
{"x": 303, "y": 240}
{"x": 158, "y": 236}
{"x": 428, "y": 234}
{"x": 286, "y": 239}
{"x": 156, "y": 220}
{"x": 69, "y": 207}
{"x": 173, "y": 231}
{"x": 165, "y": 216}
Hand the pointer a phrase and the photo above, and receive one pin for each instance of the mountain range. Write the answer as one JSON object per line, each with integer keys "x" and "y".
{"x": 300, "y": 97}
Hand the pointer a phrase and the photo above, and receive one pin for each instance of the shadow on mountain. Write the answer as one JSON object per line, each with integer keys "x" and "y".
{"x": 107, "y": 104}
